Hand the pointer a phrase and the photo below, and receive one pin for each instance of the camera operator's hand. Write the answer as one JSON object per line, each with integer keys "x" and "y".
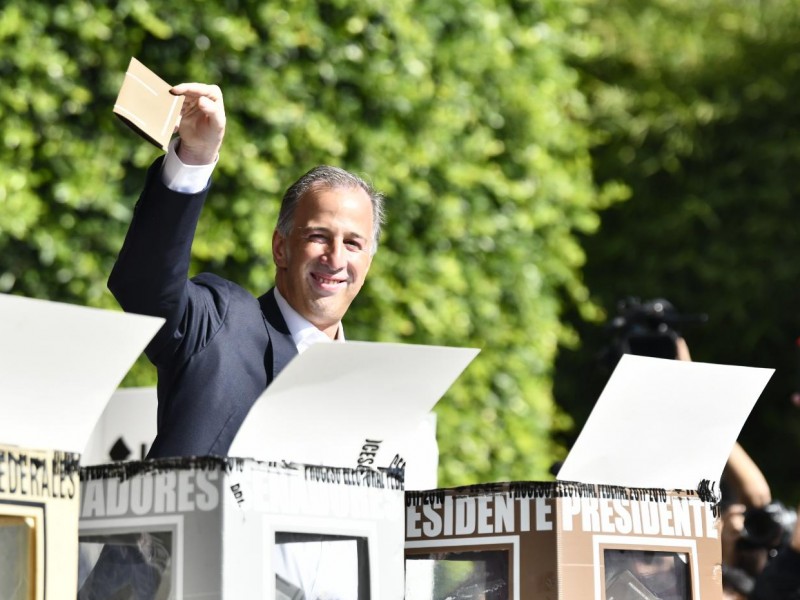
{"x": 732, "y": 526}
{"x": 682, "y": 350}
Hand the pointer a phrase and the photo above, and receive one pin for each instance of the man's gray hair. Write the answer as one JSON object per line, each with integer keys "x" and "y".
{"x": 327, "y": 177}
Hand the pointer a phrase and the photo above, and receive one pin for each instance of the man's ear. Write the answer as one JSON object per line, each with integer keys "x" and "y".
{"x": 278, "y": 249}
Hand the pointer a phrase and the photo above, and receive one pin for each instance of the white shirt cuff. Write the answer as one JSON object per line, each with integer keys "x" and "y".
{"x": 182, "y": 178}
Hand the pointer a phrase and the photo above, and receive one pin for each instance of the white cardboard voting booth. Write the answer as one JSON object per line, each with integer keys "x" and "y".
{"x": 237, "y": 528}
{"x": 312, "y": 508}
{"x": 631, "y": 517}
{"x": 59, "y": 365}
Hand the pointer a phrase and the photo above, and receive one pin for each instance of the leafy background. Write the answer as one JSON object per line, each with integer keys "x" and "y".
{"x": 541, "y": 159}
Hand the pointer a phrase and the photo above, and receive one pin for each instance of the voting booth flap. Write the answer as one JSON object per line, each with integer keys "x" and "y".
{"x": 59, "y": 364}
{"x": 632, "y": 515}
{"x": 361, "y": 405}
{"x": 239, "y": 528}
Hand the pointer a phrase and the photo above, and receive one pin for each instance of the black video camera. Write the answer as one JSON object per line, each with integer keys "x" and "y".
{"x": 770, "y": 526}
{"x": 648, "y": 328}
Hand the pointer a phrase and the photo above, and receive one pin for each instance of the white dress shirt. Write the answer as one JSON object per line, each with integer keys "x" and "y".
{"x": 304, "y": 333}
{"x": 183, "y": 178}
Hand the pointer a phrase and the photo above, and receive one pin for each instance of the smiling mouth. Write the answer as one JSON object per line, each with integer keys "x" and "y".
{"x": 327, "y": 281}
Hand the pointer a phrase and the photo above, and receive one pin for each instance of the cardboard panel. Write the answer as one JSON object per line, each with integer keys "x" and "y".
{"x": 563, "y": 541}
{"x": 38, "y": 522}
{"x": 354, "y": 404}
{"x": 647, "y": 404}
{"x": 227, "y": 528}
{"x": 59, "y": 365}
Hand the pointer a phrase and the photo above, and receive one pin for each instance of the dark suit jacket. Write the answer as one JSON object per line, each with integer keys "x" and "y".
{"x": 220, "y": 346}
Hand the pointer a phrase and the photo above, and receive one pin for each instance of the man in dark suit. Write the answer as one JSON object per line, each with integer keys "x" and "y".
{"x": 221, "y": 347}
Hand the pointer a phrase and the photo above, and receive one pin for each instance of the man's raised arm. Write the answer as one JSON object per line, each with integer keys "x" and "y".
{"x": 151, "y": 273}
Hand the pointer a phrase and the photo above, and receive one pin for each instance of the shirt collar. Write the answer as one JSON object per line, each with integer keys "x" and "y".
{"x": 303, "y": 332}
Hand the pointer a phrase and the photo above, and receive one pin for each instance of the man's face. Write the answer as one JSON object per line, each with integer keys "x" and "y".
{"x": 322, "y": 263}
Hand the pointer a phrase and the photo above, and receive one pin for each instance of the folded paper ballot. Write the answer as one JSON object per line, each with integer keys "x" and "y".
{"x": 59, "y": 365}
{"x": 145, "y": 104}
{"x": 342, "y": 405}
{"x": 664, "y": 423}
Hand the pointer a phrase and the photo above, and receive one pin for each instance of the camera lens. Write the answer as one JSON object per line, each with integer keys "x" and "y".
{"x": 769, "y": 526}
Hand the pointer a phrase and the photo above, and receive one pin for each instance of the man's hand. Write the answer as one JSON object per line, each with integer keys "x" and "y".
{"x": 202, "y": 122}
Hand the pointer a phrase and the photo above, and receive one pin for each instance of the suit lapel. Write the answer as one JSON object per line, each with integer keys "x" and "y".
{"x": 282, "y": 344}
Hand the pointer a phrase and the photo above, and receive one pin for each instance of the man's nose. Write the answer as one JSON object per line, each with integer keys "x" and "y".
{"x": 335, "y": 257}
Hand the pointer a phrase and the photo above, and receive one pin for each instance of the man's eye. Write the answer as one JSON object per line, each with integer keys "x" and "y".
{"x": 354, "y": 245}
{"x": 318, "y": 238}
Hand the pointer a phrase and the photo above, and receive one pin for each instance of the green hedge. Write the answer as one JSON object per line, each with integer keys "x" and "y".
{"x": 467, "y": 114}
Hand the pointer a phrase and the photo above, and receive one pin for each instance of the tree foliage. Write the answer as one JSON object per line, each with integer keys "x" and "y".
{"x": 694, "y": 108}
{"x": 500, "y": 130}
{"x": 465, "y": 113}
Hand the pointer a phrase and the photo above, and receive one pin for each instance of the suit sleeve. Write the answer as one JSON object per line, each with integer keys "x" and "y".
{"x": 150, "y": 276}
